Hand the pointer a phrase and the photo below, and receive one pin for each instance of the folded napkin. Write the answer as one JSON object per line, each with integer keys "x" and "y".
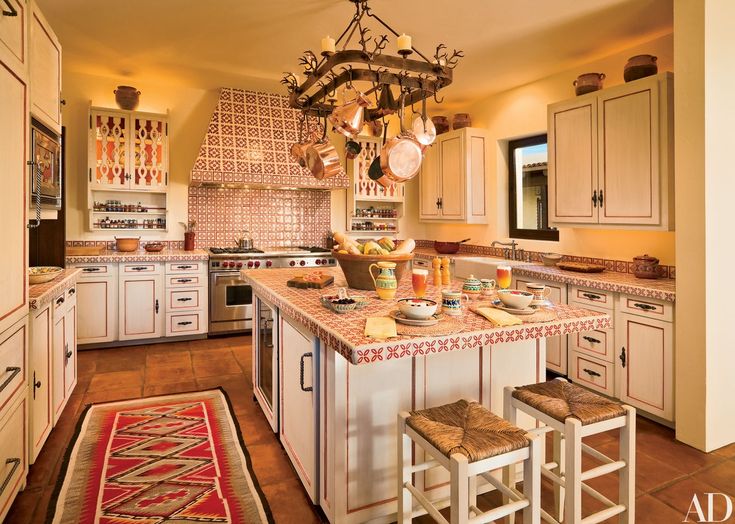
{"x": 380, "y": 328}
{"x": 498, "y": 317}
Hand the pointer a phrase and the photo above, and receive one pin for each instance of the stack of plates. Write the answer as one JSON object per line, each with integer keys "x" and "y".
{"x": 403, "y": 319}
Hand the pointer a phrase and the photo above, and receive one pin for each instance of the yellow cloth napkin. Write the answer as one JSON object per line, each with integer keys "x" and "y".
{"x": 380, "y": 328}
{"x": 498, "y": 317}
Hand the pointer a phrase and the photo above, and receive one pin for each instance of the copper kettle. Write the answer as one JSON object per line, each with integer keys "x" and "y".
{"x": 348, "y": 119}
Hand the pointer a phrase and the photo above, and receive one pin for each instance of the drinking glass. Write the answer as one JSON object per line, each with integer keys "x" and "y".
{"x": 418, "y": 280}
{"x": 505, "y": 276}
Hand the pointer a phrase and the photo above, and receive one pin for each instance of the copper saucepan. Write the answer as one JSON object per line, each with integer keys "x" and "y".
{"x": 400, "y": 157}
{"x": 322, "y": 158}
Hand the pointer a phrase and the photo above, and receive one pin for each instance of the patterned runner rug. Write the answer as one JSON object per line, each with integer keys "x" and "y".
{"x": 174, "y": 459}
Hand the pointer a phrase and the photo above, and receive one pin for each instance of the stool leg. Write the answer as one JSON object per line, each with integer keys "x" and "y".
{"x": 573, "y": 471}
{"x": 558, "y": 457}
{"x": 473, "y": 490}
{"x": 405, "y": 501}
{"x": 627, "y": 474}
{"x": 509, "y": 472}
{"x": 532, "y": 481}
{"x": 459, "y": 489}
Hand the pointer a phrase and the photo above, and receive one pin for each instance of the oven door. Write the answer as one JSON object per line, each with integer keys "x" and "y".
{"x": 265, "y": 359}
{"x": 230, "y": 304}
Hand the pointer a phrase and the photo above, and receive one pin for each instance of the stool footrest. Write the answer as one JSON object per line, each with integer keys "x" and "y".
{"x": 424, "y": 466}
{"x": 596, "y": 454}
{"x": 499, "y": 512}
{"x": 604, "y": 514}
{"x": 428, "y": 506}
{"x": 605, "y": 469}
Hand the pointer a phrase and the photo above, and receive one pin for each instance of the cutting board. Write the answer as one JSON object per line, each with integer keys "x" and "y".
{"x": 300, "y": 282}
{"x": 82, "y": 251}
{"x": 581, "y": 267}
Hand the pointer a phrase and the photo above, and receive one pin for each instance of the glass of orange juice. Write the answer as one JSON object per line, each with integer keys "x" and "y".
{"x": 504, "y": 276}
{"x": 419, "y": 277}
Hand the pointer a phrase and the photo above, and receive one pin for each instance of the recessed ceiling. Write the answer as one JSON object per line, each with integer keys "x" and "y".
{"x": 249, "y": 43}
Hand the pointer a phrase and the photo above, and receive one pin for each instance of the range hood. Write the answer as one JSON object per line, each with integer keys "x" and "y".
{"x": 247, "y": 145}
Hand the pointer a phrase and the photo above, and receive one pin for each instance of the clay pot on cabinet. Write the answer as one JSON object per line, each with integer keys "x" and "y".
{"x": 127, "y": 97}
{"x": 645, "y": 266}
{"x": 588, "y": 82}
{"x": 441, "y": 123}
{"x": 189, "y": 240}
{"x": 640, "y": 66}
{"x": 461, "y": 120}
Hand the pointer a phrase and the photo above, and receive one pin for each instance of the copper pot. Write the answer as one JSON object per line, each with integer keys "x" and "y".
{"x": 400, "y": 158}
{"x": 588, "y": 82}
{"x": 125, "y": 244}
{"x": 348, "y": 119}
{"x": 645, "y": 266}
{"x": 322, "y": 159}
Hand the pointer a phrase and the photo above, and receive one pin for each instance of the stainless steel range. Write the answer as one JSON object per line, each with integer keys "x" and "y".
{"x": 230, "y": 298}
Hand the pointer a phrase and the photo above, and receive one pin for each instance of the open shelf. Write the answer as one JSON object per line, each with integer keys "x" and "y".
{"x": 143, "y": 213}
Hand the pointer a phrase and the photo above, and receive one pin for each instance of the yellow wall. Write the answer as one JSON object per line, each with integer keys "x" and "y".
{"x": 190, "y": 112}
{"x": 522, "y": 112}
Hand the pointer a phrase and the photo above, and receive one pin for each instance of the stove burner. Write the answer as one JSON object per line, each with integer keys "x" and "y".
{"x": 313, "y": 249}
{"x": 232, "y": 250}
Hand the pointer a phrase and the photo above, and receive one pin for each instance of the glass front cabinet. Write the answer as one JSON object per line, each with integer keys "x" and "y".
{"x": 265, "y": 359}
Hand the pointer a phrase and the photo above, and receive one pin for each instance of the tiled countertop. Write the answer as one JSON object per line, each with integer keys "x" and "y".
{"x": 345, "y": 332}
{"x": 41, "y": 294}
{"x": 167, "y": 255}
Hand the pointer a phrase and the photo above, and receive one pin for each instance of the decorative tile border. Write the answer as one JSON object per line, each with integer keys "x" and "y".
{"x": 111, "y": 256}
{"x": 344, "y": 333}
{"x": 41, "y": 294}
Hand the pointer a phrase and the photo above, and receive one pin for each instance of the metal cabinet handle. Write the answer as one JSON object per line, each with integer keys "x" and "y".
{"x": 622, "y": 356}
{"x": 90, "y": 269}
{"x": 438, "y": 203}
{"x": 601, "y": 198}
{"x": 185, "y": 299}
{"x": 645, "y": 307}
{"x": 591, "y": 296}
{"x": 36, "y": 385}
{"x": 184, "y": 267}
{"x": 72, "y": 291}
{"x": 68, "y": 354}
{"x": 592, "y": 340}
{"x": 183, "y": 280}
{"x": 594, "y": 198}
{"x": 156, "y": 306}
{"x": 127, "y": 176}
{"x": 13, "y": 370}
{"x": 11, "y": 11}
{"x": 16, "y": 463}
{"x": 301, "y": 373}
{"x": 591, "y": 373}
{"x": 139, "y": 268}
{"x": 185, "y": 323}
{"x": 59, "y": 301}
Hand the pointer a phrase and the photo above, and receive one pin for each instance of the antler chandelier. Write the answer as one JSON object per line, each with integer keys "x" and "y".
{"x": 418, "y": 78}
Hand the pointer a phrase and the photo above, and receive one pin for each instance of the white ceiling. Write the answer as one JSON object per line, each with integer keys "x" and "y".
{"x": 249, "y": 43}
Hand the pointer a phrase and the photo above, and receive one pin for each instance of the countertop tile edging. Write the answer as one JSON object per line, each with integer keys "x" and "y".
{"x": 41, "y": 294}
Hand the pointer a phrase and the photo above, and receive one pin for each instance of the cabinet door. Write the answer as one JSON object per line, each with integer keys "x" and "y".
{"x": 70, "y": 351}
{"x": 108, "y": 143}
{"x": 13, "y": 202}
{"x": 573, "y": 161}
{"x": 45, "y": 71}
{"x": 150, "y": 152}
{"x": 41, "y": 415}
{"x": 97, "y": 306}
{"x": 429, "y": 185}
{"x": 556, "y": 347}
{"x": 58, "y": 352}
{"x": 452, "y": 178}
{"x": 141, "y": 308}
{"x": 645, "y": 364}
{"x": 299, "y": 402}
{"x": 629, "y": 175}
{"x": 13, "y": 50}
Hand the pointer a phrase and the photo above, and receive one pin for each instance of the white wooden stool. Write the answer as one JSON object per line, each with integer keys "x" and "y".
{"x": 469, "y": 441}
{"x": 572, "y": 413}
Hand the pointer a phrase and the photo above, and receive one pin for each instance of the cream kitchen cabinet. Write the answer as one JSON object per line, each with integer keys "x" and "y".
{"x": 186, "y": 298}
{"x": 97, "y": 303}
{"x": 45, "y": 70}
{"x": 611, "y": 157}
{"x": 64, "y": 350}
{"x": 452, "y": 179}
{"x": 127, "y": 150}
{"x": 141, "y": 302}
{"x": 13, "y": 40}
{"x": 41, "y": 415}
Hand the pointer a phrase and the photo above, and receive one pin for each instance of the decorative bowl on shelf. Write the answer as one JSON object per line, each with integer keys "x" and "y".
{"x": 550, "y": 259}
{"x": 41, "y": 274}
{"x": 357, "y": 274}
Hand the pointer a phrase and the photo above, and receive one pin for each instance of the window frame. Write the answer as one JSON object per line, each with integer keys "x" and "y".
{"x": 515, "y": 232}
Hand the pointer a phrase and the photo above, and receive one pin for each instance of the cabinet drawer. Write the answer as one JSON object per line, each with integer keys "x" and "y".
{"x": 186, "y": 281}
{"x": 184, "y": 299}
{"x": 592, "y": 373}
{"x": 595, "y": 343}
{"x": 196, "y": 266}
{"x": 13, "y": 453}
{"x": 140, "y": 268}
{"x": 64, "y": 302}
{"x": 189, "y": 323}
{"x": 646, "y": 307}
{"x": 594, "y": 297}
{"x": 97, "y": 270}
{"x": 13, "y": 358}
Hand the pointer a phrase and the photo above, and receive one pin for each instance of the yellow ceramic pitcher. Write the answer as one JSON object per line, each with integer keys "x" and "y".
{"x": 386, "y": 284}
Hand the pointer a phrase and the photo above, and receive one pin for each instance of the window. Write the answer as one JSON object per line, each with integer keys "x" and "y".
{"x": 528, "y": 189}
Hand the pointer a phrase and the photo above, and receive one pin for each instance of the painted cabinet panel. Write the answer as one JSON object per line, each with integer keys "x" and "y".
{"x": 98, "y": 305}
{"x": 13, "y": 38}
{"x": 141, "y": 307}
{"x": 39, "y": 365}
{"x": 45, "y": 71}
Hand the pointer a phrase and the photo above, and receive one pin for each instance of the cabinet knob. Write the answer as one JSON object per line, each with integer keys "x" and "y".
{"x": 622, "y": 356}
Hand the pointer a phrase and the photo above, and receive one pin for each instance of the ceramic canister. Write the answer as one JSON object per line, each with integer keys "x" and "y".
{"x": 472, "y": 286}
{"x": 452, "y": 302}
{"x": 386, "y": 284}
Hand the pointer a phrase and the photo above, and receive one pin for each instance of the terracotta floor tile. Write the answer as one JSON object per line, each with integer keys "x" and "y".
{"x": 721, "y": 476}
{"x": 679, "y": 494}
{"x": 652, "y": 473}
{"x": 121, "y": 359}
{"x": 289, "y": 504}
{"x": 25, "y": 505}
{"x": 215, "y": 364}
{"x": 727, "y": 451}
{"x": 86, "y": 362}
{"x": 180, "y": 358}
{"x": 111, "y": 395}
{"x": 39, "y": 517}
{"x": 169, "y": 389}
{"x": 115, "y": 379}
{"x": 676, "y": 454}
{"x": 650, "y": 510}
{"x": 163, "y": 374}
{"x": 270, "y": 463}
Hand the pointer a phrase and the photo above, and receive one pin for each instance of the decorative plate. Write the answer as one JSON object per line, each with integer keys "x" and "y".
{"x": 403, "y": 319}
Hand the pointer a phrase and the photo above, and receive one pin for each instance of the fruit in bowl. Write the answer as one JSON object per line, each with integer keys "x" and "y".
{"x": 417, "y": 308}
{"x": 514, "y": 298}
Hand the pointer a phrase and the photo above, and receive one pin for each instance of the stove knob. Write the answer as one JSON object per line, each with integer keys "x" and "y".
{"x": 318, "y": 262}
{"x": 303, "y": 262}
{"x": 239, "y": 264}
{"x": 324, "y": 261}
{"x": 257, "y": 263}
{"x": 250, "y": 264}
{"x": 292, "y": 263}
{"x": 225, "y": 264}
{"x": 268, "y": 263}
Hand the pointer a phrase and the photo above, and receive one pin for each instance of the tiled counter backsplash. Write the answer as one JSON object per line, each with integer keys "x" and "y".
{"x": 274, "y": 217}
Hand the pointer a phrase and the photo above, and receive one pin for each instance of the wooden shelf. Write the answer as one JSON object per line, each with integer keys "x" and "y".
{"x": 128, "y": 229}
{"x": 126, "y": 190}
{"x": 157, "y": 213}
{"x": 382, "y": 219}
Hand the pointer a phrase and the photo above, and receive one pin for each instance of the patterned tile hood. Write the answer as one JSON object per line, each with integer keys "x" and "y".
{"x": 247, "y": 145}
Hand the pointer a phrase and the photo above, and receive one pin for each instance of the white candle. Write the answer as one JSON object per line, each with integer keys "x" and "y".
{"x": 404, "y": 42}
{"x": 328, "y": 44}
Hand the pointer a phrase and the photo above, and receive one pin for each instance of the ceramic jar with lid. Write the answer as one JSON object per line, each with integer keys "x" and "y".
{"x": 472, "y": 287}
{"x": 645, "y": 266}
{"x": 588, "y": 82}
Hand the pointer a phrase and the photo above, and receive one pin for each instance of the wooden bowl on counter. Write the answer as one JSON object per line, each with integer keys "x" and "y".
{"x": 126, "y": 244}
{"x": 153, "y": 247}
{"x": 355, "y": 267}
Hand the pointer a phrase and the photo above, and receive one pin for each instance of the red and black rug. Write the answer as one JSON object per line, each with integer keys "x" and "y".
{"x": 171, "y": 459}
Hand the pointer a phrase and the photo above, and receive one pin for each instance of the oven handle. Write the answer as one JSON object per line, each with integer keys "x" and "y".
{"x": 232, "y": 276}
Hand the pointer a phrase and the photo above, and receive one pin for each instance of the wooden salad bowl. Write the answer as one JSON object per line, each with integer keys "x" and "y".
{"x": 356, "y": 267}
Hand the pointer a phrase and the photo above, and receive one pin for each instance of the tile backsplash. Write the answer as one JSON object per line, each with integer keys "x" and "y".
{"x": 273, "y": 217}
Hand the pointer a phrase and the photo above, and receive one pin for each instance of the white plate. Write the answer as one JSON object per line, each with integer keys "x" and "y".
{"x": 403, "y": 319}
{"x": 513, "y": 311}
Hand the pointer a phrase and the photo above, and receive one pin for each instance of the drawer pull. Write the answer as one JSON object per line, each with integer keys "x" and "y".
{"x": 139, "y": 268}
{"x": 592, "y": 340}
{"x": 183, "y": 280}
{"x": 59, "y": 301}
{"x": 10, "y": 12}
{"x": 16, "y": 463}
{"x": 645, "y": 307}
{"x": 185, "y": 323}
{"x": 90, "y": 269}
{"x": 622, "y": 356}
{"x": 184, "y": 267}
{"x": 185, "y": 299}
{"x": 591, "y": 373}
{"x": 72, "y": 291}
{"x": 301, "y": 373}
{"x": 591, "y": 296}
{"x": 157, "y": 307}
{"x": 13, "y": 370}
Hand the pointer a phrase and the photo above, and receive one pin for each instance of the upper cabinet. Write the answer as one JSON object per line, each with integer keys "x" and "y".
{"x": 452, "y": 178}
{"x": 611, "y": 157}
{"x": 13, "y": 49}
{"x": 45, "y": 71}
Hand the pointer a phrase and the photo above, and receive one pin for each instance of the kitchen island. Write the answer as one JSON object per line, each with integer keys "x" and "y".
{"x": 332, "y": 395}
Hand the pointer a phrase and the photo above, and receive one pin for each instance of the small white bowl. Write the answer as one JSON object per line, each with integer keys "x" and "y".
{"x": 515, "y": 299}
{"x": 550, "y": 259}
{"x": 417, "y": 308}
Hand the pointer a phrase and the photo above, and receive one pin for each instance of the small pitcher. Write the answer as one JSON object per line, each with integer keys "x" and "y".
{"x": 386, "y": 283}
